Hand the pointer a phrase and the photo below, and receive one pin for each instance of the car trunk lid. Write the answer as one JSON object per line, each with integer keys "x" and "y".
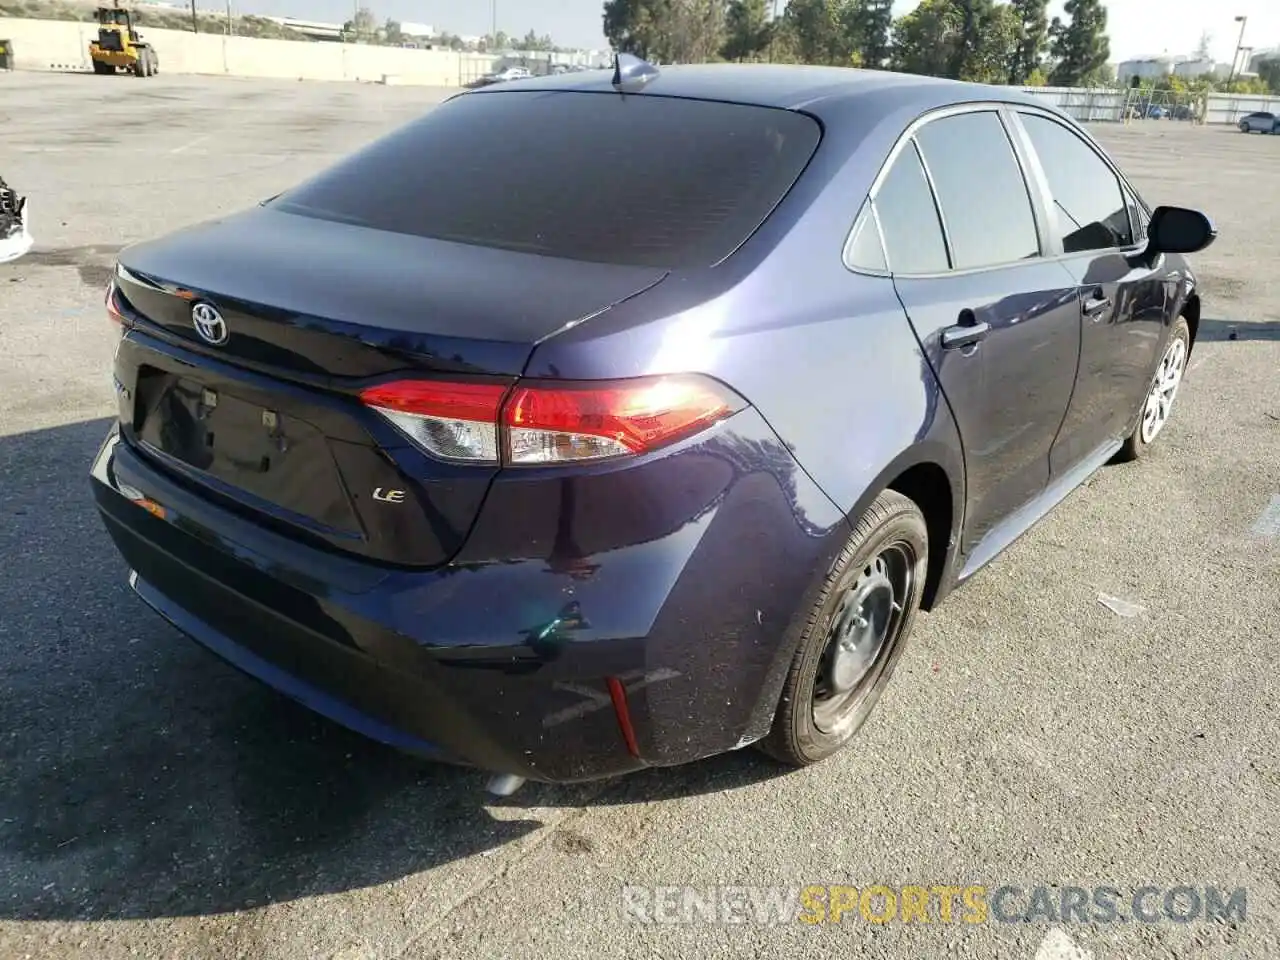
{"x": 270, "y": 421}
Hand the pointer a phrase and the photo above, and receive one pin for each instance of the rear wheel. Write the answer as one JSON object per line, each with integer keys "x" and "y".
{"x": 1157, "y": 405}
{"x": 99, "y": 67}
{"x": 854, "y": 635}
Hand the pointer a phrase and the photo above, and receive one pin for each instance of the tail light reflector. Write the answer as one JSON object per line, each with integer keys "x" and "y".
{"x": 551, "y": 422}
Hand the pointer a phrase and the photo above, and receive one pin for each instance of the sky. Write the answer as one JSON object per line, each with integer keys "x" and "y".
{"x": 1137, "y": 27}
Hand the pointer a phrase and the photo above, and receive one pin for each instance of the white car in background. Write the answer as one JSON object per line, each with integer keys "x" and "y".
{"x": 1260, "y": 121}
{"x": 510, "y": 73}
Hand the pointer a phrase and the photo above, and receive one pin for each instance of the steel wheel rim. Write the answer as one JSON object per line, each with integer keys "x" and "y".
{"x": 1164, "y": 387}
{"x": 862, "y": 633}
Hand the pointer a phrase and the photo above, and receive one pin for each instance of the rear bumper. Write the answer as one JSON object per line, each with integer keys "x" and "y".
{"x": 505, "y": 665}
{"x": 116, "y": 58}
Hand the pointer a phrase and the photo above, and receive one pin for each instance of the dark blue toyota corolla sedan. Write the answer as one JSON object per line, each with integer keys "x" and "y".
{"x": 598, "y": 422}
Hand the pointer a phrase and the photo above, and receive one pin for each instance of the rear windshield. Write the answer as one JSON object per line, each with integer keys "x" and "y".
{"x": 625, "y": 179}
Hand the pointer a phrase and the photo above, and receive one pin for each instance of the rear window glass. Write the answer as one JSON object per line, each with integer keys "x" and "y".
{"x": 638, "y": 180}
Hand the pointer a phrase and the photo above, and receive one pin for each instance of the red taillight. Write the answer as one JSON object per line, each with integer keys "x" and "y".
{"x": 551, "y": 422}
{"x": 113, "y": 305}
{"x": 584, "y": 421}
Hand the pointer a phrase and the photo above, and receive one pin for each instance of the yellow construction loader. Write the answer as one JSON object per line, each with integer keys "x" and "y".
{"x": 120, "y": 46}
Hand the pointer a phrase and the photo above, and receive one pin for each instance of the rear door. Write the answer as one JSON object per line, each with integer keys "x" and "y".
{"x": 1123, "y": 296}
{"x": 997, "y": 321}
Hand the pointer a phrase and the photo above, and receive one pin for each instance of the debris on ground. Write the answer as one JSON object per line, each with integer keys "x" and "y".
{"x": 1121, "y": 608}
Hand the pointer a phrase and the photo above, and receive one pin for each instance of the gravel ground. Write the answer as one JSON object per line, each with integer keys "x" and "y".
{"x": 154, "y": 803}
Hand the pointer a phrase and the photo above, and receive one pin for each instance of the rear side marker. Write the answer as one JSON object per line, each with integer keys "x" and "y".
{"x": 149, "y": 505}
{"x": 618, "y": 694}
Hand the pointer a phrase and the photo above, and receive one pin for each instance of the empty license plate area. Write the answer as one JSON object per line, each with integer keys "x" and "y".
{"x": 244, "y": 444}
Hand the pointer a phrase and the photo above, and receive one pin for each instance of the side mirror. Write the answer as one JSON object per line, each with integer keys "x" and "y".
{"x": 1179, "y": 230}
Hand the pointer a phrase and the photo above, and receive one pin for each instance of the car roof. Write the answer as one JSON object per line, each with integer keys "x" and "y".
{"x": 826, "y": 92}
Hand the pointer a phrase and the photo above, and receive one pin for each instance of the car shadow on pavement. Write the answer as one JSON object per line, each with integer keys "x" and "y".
{"x": 1220, "y": 330}
{"x": 142, "y": 777}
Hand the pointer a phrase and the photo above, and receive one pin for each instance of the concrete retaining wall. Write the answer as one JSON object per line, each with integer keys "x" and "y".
{"x": 64, "y": 45}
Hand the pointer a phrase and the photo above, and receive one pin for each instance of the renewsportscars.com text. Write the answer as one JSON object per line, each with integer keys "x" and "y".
{"x": 817, "y": 904}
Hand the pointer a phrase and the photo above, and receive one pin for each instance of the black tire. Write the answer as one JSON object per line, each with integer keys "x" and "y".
{"x": 140, "y": 65}
{"x": 101, "y": 68}
{"x": 1137, "y": 443}
{"x": 893, "y": 531}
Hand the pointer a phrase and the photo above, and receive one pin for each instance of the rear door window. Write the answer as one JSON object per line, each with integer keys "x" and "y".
{"x": 634, "y": 180}
{"x": 986, "y": 208}
{"x": 908, "y": 218}
{"x": 1086, "y": 194}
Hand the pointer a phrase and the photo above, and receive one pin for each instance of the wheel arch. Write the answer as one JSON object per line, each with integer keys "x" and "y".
{"x": 927, "y": 485}
{"x": 1191, "y": 312}
{"x": 931, "y": 475}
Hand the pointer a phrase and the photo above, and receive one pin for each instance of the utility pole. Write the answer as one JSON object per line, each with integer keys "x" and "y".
{"x": 1242, "y": 20}
{"x": 494, "y": 34}
{"x": 195, "y": 23}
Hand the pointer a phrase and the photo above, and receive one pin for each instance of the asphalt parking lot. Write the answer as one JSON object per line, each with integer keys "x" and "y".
{"x": 154, "y": 803}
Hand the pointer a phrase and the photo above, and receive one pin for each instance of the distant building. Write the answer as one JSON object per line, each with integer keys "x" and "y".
{"x": 417, "y": 30}
{"x": 1170, "y": 65}
{"x": 1259, "y": 57}
{"x": 1146, "y": 68}
{"x": 315, "y": 29}
{"x": 1193, "y": 67}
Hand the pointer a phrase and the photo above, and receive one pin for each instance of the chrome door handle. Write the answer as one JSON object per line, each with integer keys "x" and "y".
{"x": 964, "y": 335}
{"x": 1096, "y": 305}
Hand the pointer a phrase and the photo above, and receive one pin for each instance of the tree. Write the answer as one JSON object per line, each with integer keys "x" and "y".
{"x": 962, "y": 39}
{"x": 746, "y": 29}
{"x": 696, "y": 30}
{"x": 816, "y": 27}
{"x": 1269, "y": 73}
{"x": 925, "y": 38}
{"x": 362, "y": 26}
{"x": 875, "y": 17}
{"x": 532, "y": 41}
{"x": 1032, "y": 40}
{"x": 683, "y": 31}
{"x": 988, "y": 47}
{"x": 391, "y": 32}
{"x": 1204, "y": 49}
{"x": 987, "y": 35}
{"x": 1080, "y": 46}
{"x": 632, "y": 26}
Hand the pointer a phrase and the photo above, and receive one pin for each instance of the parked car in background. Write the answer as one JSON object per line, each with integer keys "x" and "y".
{"x": 503, "y": 76}
{"x": 651, "y": 445}
{"x": 1259, "y": 122}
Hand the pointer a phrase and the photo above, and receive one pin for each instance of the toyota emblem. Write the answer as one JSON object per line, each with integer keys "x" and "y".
{"x": 209, "y": 324}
